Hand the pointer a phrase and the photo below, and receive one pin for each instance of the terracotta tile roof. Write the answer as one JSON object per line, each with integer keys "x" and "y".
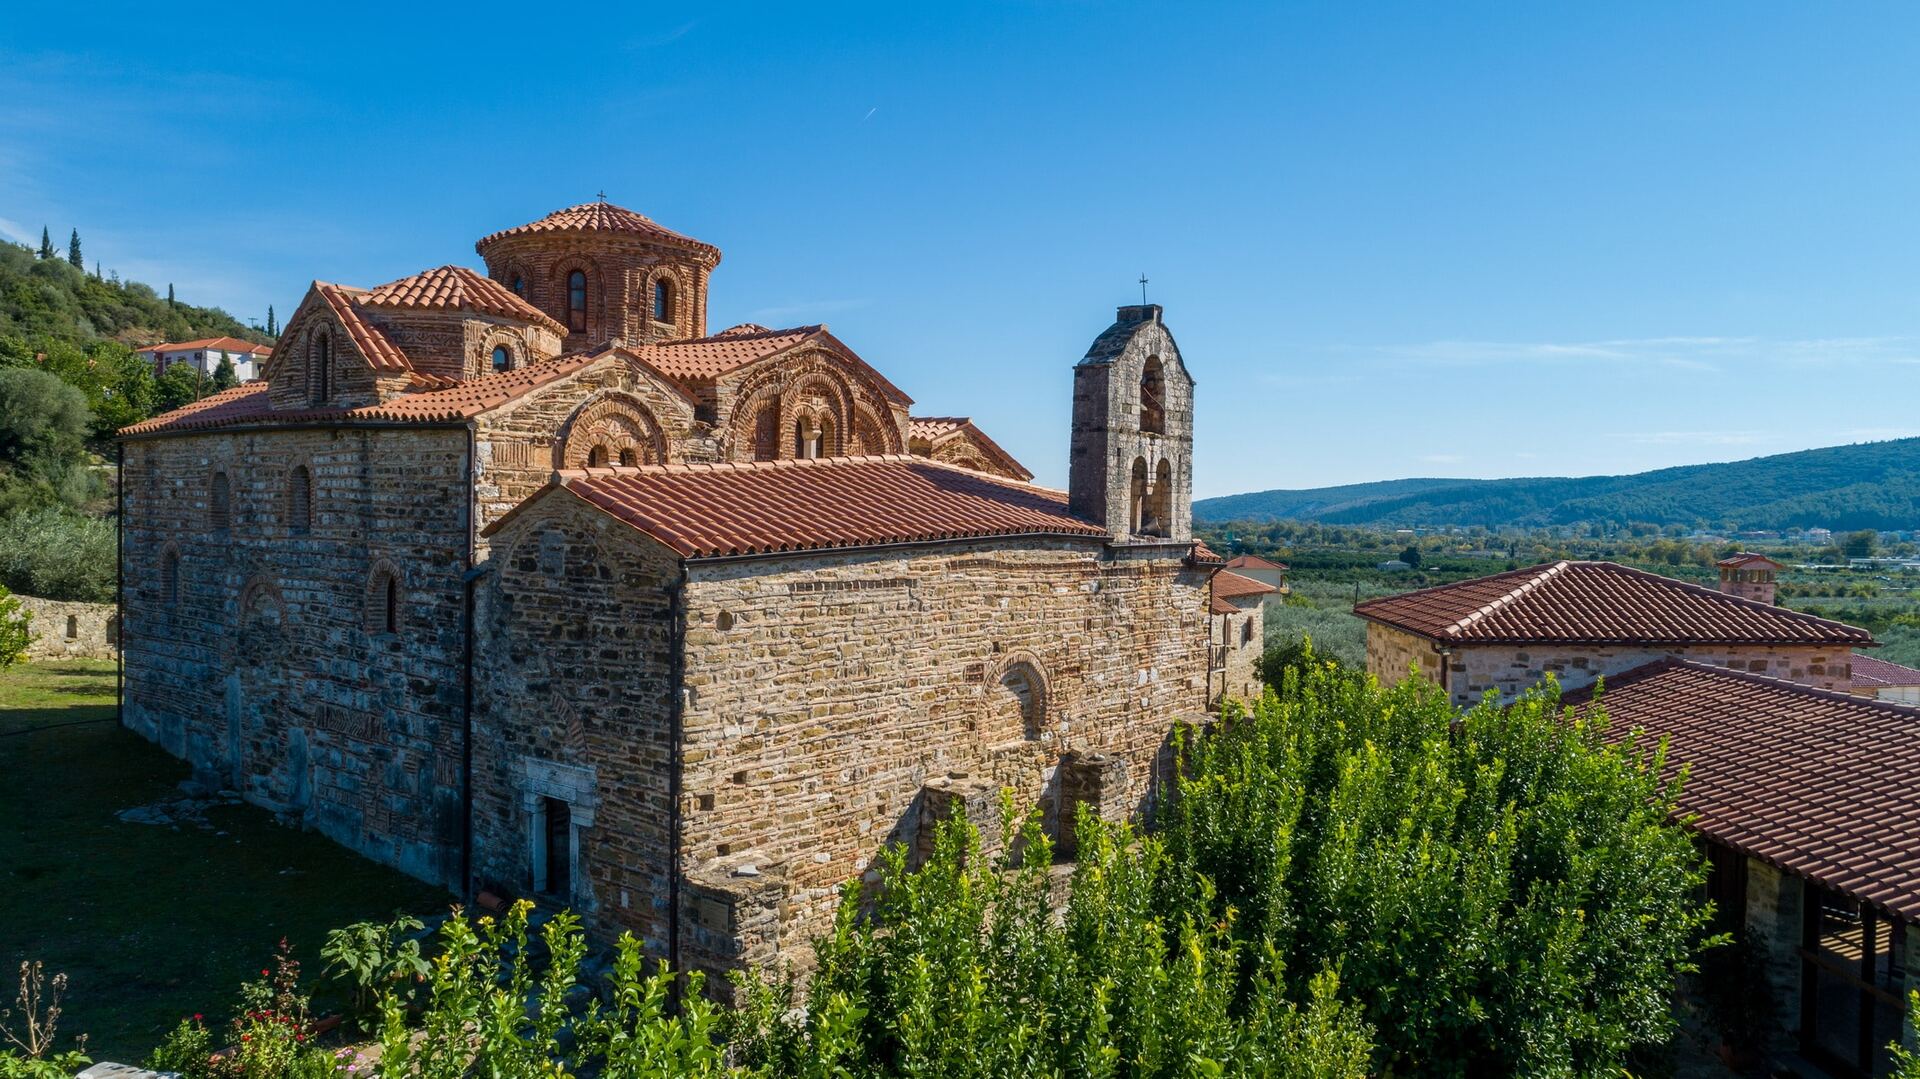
{"x": 1820, "y": 784}
{"x": 1871, "y": 673}
{"x": 1596, "y": 602}
{"x": 599, "y": 217}
{"x": 1216, "y": 605}
{"x": 248, "y": 402}
{"x": 230, "y": 344}
{"x": 1202, "y": 555}
{"x": 936, "y": 428}
{"x": 1253, "y": 561}
{"x": 1230, "y": 585}
{"x": 1747, "y": 558}
{"x": 716, "y": 510}
{"x": 456, "y": 288}
{"x": 703, "y": 359}
{"x": 383, "y": 354}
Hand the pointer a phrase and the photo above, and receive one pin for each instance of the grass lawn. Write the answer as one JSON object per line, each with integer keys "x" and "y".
{"x": 150, "y": 922}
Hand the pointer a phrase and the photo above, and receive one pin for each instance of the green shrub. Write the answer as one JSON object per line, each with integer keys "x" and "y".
{"x": 1501, "y": 891}
{"x": 57, "y": 554}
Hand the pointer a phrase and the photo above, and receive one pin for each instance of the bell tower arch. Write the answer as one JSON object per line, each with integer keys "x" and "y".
{"x": 1130, "y": 466}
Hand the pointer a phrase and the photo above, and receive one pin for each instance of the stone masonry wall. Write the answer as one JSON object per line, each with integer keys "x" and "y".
{"x": 824, "y": 692}
{"x": 270, "y": 669}
{"x": 1509, "y": 670}
{"x": 573, "y": 702}
{"x": 68, "y": 630}
{"x": 1245, "y": 638}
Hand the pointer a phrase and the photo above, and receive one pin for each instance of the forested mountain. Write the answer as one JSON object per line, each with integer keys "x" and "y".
{"x": 1866, "y": 485}
{"x": 50, "y": 297}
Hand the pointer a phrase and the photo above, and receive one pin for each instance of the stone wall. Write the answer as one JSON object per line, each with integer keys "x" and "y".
{"x": 573, "y": 695}
{"x": 620, "y": 273}
{"x": 1774, "y": 930}
{"x": 824, "y": 692}
{"x": 1509, "y": 669}
{"x": 67, "y": 630}
{"x": 259, "y": 653}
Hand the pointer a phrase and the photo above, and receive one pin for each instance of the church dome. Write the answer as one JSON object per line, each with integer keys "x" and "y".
{"x": 601, "y": 217}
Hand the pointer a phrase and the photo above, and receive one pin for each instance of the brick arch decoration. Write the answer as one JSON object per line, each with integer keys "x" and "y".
{"x": 676, "y": 297}
{"x": 167, "y": 575}
{"x": 851, "y": 404}
{"x": 614, "y": 420}
{"x": 261, "y": 602}
{"x": 373, "y": 596}
{"x": 1016, "y": 702}
{"x": 515, "y": 343}
{"x": 596, "y": 296}
{"x": 516, "y": 268}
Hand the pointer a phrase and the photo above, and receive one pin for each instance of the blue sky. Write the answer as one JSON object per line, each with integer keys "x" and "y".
{"x": 1393, "y": 240}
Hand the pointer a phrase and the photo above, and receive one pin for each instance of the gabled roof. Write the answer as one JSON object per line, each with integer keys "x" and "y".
{"x": 1817, "y": 783}
{"x": 229, "y": 344}
{"x": 1872, "y": 673}
{"x": 380, "y": 352}
{"x": 703, "y": 359}
{"x": 1747, "y": 558}
{"x": 935, "y": 429}
{"x": 1230, "y": 585}
{"x": 720, "y": 510}
{"x": 1597, "y": 603}
{"x": 1254, "y": 561}
{"x": 456, "y": 288}
{"x": 600, "y": 217}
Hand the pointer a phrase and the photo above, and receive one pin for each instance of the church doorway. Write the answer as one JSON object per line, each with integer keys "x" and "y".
{"x": 553, "y": 849}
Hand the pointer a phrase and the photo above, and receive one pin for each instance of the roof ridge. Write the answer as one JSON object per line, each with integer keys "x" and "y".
{"x": 1511, "y": 597}
{"x": 1653, "y": 667}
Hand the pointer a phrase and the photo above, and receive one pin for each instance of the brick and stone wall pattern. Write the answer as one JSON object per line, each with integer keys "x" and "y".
{"x": 574, "y": 678}
{"x": 68, "y": 630}
{"x": 823, "y": 692}
{"x": 267, "y": 672}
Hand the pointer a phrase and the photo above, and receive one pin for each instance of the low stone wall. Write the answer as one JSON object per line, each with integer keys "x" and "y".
{"x": 64, "y": 630}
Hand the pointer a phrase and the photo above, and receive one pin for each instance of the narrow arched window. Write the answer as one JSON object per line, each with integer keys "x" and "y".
{"x": 170, "y": 576}
{"x": 320, "y": 375}
{"x": 577, "y": 300}
{"x": 300, "y": 500}
{"x": 519, "y": 285}
{"x": 628, "y": 458}
{"x": 382, "y": 611}
{"x": 662, "y": 300}
{"x": 390, "y": 605}
{"x": 219, "y": 508}
{"x": 502, "y": 358}
{"x": 1153, "y": 408}
{"x": 597, "y": 457}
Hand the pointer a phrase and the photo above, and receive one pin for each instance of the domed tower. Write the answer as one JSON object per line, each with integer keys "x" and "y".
{"x": 1131, "y": 463}
{"x": 607, "y": 274}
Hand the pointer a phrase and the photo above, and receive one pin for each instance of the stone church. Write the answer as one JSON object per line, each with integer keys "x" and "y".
{"x": 527, "y": 582}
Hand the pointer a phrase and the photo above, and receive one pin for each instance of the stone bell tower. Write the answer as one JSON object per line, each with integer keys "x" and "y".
{"x": 1130, "y": 468}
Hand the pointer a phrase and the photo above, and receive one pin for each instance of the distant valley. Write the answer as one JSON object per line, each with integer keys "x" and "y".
{"x": 1866, "y": 485}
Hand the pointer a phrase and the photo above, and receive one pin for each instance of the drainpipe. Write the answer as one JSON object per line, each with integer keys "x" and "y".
{"x": 120, "y": 582}
{"x": 468, "y": 579}
{"x": 676, "y": 653}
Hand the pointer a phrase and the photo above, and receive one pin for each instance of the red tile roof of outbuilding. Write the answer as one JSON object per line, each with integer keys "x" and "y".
{"x": 1597, "y": 603}
{"x": 718, "y": 510}
{"x": 1820, "y": 784}
{"x": 230, "y": 344}
{"x": 1872, "y": 673}
{"x": 1230, "y": 585}
{"x": 1253, "y": 561}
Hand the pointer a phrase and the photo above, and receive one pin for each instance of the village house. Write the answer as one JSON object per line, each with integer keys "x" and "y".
{"x": 1885, "y": 680}
{"x": 1239, "y": 635}
{"x": 1579, "y": 621}
{"x": 1804, "y": 800}
{"x": 1264, "y": 570}
{"x": 248, "y": 357}
{"x": 524, "y": 580}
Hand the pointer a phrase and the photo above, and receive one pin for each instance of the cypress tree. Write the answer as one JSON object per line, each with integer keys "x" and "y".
{"x": 73, "y": 252}
{"x": 46, "y": 243}
{"x": 170, "y": 302}
{"x": 273, "y": 330}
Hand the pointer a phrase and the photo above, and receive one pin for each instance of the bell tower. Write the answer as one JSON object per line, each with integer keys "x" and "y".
{"x": 1130, "y": 467}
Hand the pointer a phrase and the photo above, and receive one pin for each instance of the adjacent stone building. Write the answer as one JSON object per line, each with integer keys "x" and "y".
{"x": 1579, "y": 621}
{"x": 525, "y": 581}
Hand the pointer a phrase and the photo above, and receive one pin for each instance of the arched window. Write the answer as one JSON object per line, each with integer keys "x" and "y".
{"x": 766, "y": 433}
{"x": 629, "y": 458}
{"x": 502, "y": 358}
{"x": 320, "y": 372}
{"x": 518, "y": 284}
{"x": 300, "y": 501}
{"x": 219, "y": 508}
{"x": 1153, "y": 408}
{"x": 1017, "y": 705}
{"x": 1159, "y": 514}
{"x": 597, "y": 457}
{"x": 577, "y": 300}
{"x": 1137, "y": 496}
{"x": 383, "y": 600}
{"x": 170, "y": 576}
{"x": 662, "y": 300}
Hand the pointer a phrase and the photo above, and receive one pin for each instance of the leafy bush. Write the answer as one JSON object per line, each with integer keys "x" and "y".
{"x": 16, "y": 629}
{"x": 1501, "y": 890}
{"x": 44, "y": 424}
{"x": 373, "y": 957}
{"x": 56, "y": 554}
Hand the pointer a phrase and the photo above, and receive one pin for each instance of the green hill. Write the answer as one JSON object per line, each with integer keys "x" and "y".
{"x": 51, "y": 299}
{"x": 1866, "y": 485}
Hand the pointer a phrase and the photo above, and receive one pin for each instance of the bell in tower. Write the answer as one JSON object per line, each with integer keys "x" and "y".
{"x": 1131, "y": 463}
